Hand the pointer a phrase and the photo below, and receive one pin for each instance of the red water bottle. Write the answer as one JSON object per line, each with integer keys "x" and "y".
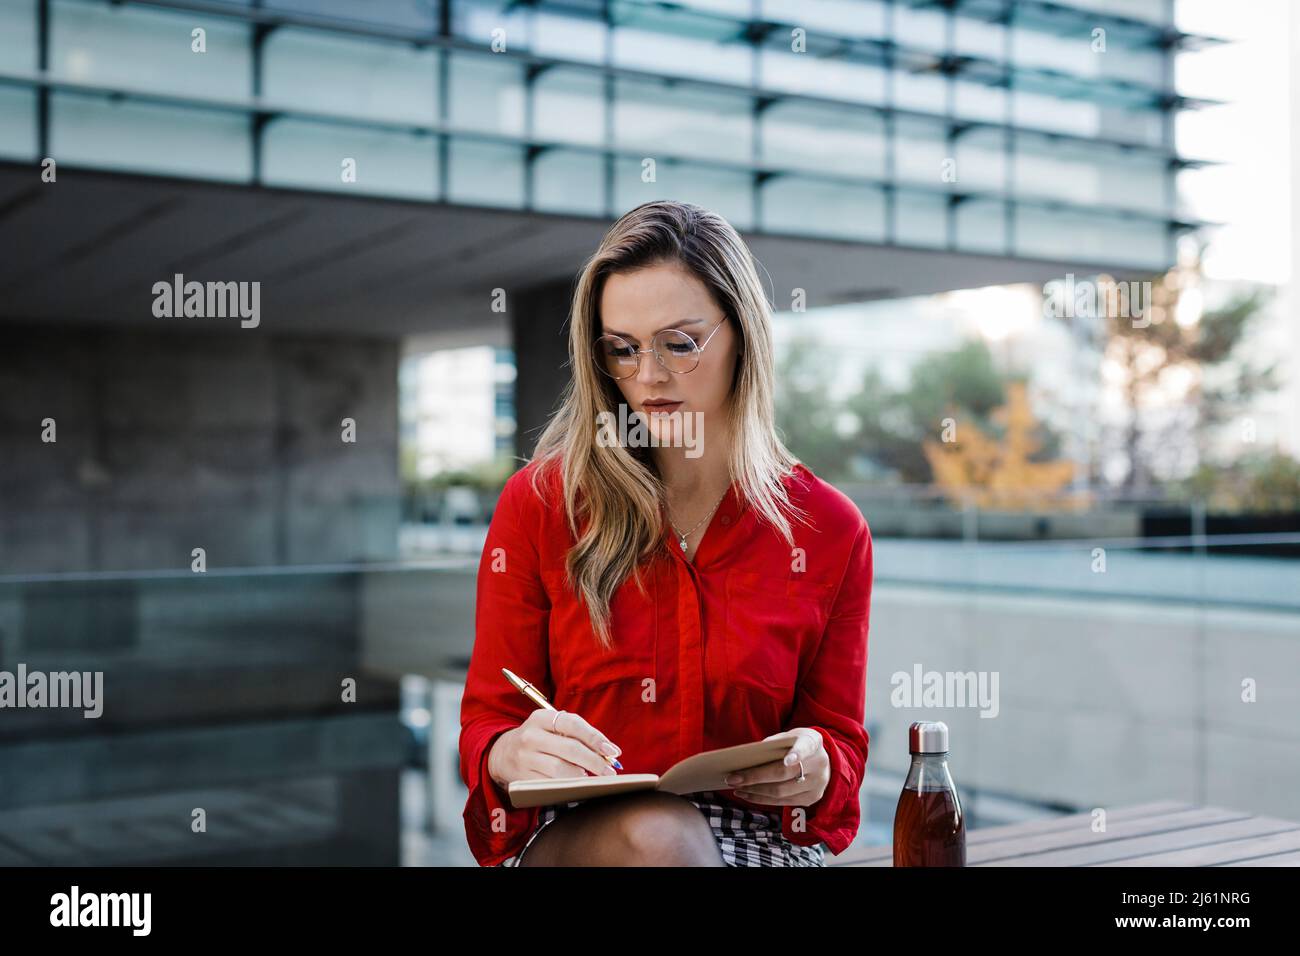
{"x": 929, "y": 825}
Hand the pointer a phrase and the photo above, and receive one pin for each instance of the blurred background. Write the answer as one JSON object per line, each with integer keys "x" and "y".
{"x": 1034, "y": 271}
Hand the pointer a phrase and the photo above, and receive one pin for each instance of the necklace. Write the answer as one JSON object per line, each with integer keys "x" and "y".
{"x": 681, "y": 538}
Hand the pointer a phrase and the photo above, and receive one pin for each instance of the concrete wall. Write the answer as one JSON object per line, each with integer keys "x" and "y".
{"x": 1102, "y": 703}
{"x": 168, "y": 441}
{"x": 222, "y": 690}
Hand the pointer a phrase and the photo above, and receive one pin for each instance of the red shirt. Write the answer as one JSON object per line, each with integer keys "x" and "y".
{"x": 741, "y": 643}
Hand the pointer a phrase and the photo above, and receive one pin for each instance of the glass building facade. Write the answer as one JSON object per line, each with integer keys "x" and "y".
{"x": 1021, "y": 129}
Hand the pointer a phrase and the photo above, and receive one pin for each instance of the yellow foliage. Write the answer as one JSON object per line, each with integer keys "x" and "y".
{"x": 977, "y": 468}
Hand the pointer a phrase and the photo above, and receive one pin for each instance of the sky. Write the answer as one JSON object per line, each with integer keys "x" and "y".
{"x": 1250, "y": 134}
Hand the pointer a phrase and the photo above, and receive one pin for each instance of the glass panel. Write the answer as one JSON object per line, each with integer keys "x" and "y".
{"x": 1096, "y": 90}
{"x": 1040, "y": 111}
{"x": 810, "y": 207}
{"x": 421, "y": 16}
{"x": 924, "y": 92}
{"x": 18, "y": 35}
{"x": 569, "y": 105}
{"x": 682, "y": 55}
{"x": 486, "y": 174}
{"x": 1081, "y": 237}
{"x": 981, "y": 226}
{"x": 924, "y": 29}
{"x": 93, "y": 131}
{"x": 848, "y": 18}
{"x": 736, "y": 9}
{"x": 477, "y": 19}
{"x": 1054, "y": 174}
{"x": 568, "y": 182}
{"x": 311, "y": 70}
{"x": 828, "y": 139}
{"x": 657, "y": 117}
{"x": 779, "y": 69}
{"x": 1144, "y": 66}
{"x": 1068, "y": 54}
{"x": 1153, "y": 11}
{"x": 982, "y": 161}
{"x": 1134, "y": 182}
{"x": 920, "y": 151}
{"x": 1091, "y": 177}
{"x": 921, "y": 220}
{"x": 977, "y": 38}
{"x": 977, "y": 101}
{"x": 568, "y": 38}
{"x": 1074, "y": 54}
{"x": 671, "y": 20}
{"x": 138, "y": 49}
{"x": 487, "y": 94}
{"x": 1134, "y": 126}
{"x": 17, "y": 123}
{"x": 311, "y": 155}
{"x": 728, "y": 194}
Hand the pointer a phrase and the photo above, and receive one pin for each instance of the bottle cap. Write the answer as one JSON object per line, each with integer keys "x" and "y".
{"x": 928, "y": 737}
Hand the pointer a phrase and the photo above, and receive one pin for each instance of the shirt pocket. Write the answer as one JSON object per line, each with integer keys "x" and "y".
{"x": 772, "y": 623}
{"x": 579, "y": 664}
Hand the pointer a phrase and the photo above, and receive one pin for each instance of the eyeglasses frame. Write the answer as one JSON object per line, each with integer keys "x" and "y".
{"x": 699, "y": 350}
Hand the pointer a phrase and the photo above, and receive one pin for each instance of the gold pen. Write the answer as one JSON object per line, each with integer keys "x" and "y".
{"x": 533, "y": 694}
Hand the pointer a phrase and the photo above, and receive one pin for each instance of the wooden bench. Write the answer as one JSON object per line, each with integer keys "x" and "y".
{"x": 1164, "y": 833}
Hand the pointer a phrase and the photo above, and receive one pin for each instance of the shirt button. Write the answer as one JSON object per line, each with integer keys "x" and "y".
{"x": 726, "y": 519}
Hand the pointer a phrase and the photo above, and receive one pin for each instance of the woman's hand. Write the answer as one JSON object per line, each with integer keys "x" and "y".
{"x": 778, "y": 782}
{"x": 549, "y": 745}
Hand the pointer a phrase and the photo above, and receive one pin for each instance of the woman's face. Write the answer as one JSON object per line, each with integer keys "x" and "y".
{"x": 638, "y": 304}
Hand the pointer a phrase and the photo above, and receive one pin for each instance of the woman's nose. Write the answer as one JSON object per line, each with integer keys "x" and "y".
{"x": 650, "y": 371}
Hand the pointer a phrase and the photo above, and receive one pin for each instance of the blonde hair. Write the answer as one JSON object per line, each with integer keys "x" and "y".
{"x": 619, "y": 489}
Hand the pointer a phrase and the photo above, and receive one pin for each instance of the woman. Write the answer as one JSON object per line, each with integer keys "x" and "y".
{"x": 671, "y": 589}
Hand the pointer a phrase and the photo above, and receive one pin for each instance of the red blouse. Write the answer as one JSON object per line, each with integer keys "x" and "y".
{"x": 746, "y": 640}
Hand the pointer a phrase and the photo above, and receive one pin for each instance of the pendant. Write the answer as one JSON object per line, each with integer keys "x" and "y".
{"x": 682, "y": 542}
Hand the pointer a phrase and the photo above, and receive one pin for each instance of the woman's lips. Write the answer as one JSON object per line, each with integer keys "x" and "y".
{"x": 665, "y": 407}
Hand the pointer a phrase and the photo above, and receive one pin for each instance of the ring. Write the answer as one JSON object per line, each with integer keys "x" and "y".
{"x": 554, "y": 720}
{"x": 801, "y": 776}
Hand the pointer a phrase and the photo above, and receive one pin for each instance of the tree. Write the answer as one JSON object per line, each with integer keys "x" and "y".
{"x": 1264, "y": 481}
{"x": 806, "y": 415}
{"x": 892, "y": 425}
{"x": 999, "y": 473}
{"x": 1153, "y": 349}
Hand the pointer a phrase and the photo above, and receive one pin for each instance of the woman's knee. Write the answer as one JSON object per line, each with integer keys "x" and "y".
{"x": 641, "y": 829}
{"x": 662, "y": 829}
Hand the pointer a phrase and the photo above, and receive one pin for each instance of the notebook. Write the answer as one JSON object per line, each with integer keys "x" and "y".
{"x": 704, "y": 771}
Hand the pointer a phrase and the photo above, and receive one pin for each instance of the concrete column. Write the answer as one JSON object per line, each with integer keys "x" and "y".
{"x": 540, "y": 331}
{"x": 170, "y": 441}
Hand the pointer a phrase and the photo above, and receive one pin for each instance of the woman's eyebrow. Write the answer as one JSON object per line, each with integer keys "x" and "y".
{"x": 664, "y": 329}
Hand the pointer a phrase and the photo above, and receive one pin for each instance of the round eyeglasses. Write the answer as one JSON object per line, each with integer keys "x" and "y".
{"x": 675, "y": 350}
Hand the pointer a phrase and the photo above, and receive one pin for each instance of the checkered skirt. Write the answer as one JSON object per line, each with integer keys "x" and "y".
{"x": 746, "y": 837}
